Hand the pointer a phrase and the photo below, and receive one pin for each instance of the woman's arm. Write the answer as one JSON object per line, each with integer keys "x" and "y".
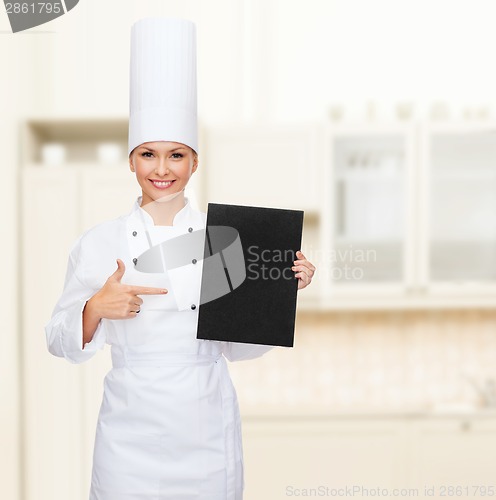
{"x": 64, "y": 331}
{"x": 91, "y": 321}
{"x": 237, "y": 351}
{"x": 76, "y": 330}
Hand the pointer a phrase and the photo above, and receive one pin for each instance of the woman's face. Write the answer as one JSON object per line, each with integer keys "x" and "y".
{"x": 162, "y": 168}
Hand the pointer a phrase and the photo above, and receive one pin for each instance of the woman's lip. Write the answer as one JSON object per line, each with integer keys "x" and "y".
{"x": 157, "y": 186}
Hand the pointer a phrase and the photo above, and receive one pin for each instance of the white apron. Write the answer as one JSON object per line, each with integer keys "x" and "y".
{"x": 168, "y": 428}
{"x": 169, "y": 424}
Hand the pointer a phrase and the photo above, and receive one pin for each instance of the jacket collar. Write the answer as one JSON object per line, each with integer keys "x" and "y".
{"x": 181, "y": 217}
{"x": 140, "y": 224}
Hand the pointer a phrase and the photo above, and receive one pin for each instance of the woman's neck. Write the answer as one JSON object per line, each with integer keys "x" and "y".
{"x": 163, "y": 212}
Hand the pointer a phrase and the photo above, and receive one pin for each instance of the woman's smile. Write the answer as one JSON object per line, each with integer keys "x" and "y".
{"x": 161, "y": 184}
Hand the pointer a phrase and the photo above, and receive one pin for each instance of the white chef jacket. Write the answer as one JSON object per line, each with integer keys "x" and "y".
{"x": 169, "y": 424}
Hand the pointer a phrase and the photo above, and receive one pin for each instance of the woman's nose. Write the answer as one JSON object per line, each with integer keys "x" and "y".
{"x": 162, "y": 168}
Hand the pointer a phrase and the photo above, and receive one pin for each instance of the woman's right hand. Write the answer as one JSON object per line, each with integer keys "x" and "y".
{"x": 114, "y": 300}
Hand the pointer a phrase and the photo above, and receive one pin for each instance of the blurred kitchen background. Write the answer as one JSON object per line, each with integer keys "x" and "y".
{"x": 378, "y": 119}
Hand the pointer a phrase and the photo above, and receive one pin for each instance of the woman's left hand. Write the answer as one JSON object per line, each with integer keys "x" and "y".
{"x": 304, "y": 270}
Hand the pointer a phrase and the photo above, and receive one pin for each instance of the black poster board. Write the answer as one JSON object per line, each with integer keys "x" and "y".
{"x": 248, "y": 289}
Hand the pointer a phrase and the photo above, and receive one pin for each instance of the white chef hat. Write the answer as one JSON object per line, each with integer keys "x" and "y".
{"x": 163, "y": 104}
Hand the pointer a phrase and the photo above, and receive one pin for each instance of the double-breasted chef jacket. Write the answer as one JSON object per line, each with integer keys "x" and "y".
{"x": 169, "y": 424}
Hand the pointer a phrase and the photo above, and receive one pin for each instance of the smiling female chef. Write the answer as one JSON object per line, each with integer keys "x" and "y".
{"x": 169, "y": 424}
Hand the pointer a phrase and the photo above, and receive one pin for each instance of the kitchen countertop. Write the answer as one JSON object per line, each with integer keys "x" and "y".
{"x": 444, "y": 411}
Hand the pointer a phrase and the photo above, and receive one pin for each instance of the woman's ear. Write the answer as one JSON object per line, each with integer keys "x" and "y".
{"x": 131, "y": 166}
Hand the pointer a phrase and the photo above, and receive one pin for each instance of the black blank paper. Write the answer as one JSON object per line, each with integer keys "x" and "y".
{"x": 261, "y": 307}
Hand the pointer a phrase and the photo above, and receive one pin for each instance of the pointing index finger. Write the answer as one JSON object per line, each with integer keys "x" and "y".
{"x": 146, "y": 290}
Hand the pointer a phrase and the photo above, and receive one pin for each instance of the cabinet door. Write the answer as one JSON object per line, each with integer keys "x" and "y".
{"x": 263, "y": 166}
{"x": 459, "y": 183}
{"x": 367, "y": 227}
{"x": 282, "y": 456}
{"x": 106, "y": 193}
{"x": 454, "y": 453}
{"x": 52, "y": 404}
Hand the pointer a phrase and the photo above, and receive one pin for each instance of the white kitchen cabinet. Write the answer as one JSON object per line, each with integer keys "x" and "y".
{"x": 407, "y": 218}
{"x": 458, "y": 186}
{"x": 273, "y": 166}
{"x": 456, "y": 456}
{"x": 381, "y": 452}
{"x": 106, "y": 193}
{"x": 52, "y": 404}
{"x": 282, "y": 457}
{"x": 366, "y": 221}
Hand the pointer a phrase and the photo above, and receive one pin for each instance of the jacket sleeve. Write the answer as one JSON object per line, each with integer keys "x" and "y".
{"x": 64, "y": 332}
{"x": 237, "y": 351}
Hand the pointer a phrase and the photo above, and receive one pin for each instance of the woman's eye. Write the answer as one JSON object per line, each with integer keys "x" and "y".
{"x": 177, "y": 155}
{"x": 146, "y": 153}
